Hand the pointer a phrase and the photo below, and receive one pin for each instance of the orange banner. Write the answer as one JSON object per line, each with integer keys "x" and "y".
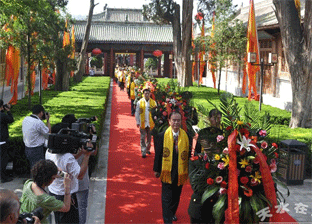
{"x": 252, "y": 46}
{"x": 73, "y": 46}
{"x": 212, "y": 53}
{"x": 201, "y": 56}
{"x": 12, "y": 71}
{"x": 45, "y": 78}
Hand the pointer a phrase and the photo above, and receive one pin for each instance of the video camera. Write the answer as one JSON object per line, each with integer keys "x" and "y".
{"x": 29, "y": 216}
{"x": 69, "y": 140}
{"x": 84, "y": 125}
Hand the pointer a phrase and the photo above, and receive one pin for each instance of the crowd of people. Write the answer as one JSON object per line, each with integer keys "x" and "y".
{"x": 60, "y": 183}
{"x": 59, "y": 178}
{"x": 173, "y": 149}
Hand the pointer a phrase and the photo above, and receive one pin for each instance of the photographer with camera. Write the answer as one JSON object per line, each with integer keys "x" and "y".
{"x": 10, "y": 206}
{"x": 34, "y": 195}
{"x": 6, "y": 118}
{"x": 66, "y": 162}
{"x": 35, "y": 133}
{"x": 83, "y": 189}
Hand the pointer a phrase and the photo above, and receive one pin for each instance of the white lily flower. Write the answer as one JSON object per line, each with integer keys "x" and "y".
{"x": 245, "y": 143}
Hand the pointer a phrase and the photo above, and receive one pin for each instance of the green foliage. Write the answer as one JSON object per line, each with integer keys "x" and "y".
{"x": 151, "y": 63}
{"x": 96, "y": 61}
{"x": 85, "y": 100}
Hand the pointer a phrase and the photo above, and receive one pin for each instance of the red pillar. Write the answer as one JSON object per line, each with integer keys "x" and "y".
{"x": 142, "y": 60}
{"x": 131, "y": 59}
{"x": 111, "y": 72}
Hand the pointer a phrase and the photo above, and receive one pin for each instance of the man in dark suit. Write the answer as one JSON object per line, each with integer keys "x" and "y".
{"x": 172, "y": 150}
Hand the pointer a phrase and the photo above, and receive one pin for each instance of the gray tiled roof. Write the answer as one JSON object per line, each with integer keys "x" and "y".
{"x": 124, "y": 32}
{"x": 120, "y": 15}
{"x": 264, "y": 12}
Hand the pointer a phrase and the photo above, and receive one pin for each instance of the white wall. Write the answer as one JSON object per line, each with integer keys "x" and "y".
{"x": 284, "y": 92}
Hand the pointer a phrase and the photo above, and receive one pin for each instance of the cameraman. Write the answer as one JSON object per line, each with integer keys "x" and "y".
{"x": 83, "y": 189}
{"x": 10, "y": 206}
{"x": 35, "y": 133}
{"x": 5, "y": 119}
{"x": 67, "y": 163}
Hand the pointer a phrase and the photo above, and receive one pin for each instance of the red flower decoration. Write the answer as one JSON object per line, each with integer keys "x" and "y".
{"x": 210, "y": 181}
{"x": 228, "y": 128}
{"x": 193, "y": 158}
{"x": 274, "y": 145}
{"x": 207, "y": 165}
{"x": 248, "y": 169}
{"x": 244, "y": 180}
{"x": 244, "y": 131}
{"x": 237, "y": 148}
{"x": 276, "y": 154}
{"x": 223, "y": 184}
{"x": 248, "y": 192}
{"x": 164, "y": 113}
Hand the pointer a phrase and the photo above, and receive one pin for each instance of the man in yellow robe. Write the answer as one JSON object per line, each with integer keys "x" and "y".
{"x": 145, "y": 121}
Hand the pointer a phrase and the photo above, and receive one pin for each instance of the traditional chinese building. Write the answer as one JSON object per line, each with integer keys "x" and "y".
{"x": 276, "y": 85}
{"x": 125, "y": 36}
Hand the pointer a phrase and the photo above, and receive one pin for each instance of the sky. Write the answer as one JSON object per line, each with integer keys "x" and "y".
{"x": 81, "y": 7}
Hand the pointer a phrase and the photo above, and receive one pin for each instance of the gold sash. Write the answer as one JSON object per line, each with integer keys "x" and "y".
{"x": 183, "y": 154}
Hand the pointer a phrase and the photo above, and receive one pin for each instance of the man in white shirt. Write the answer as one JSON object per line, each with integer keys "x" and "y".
{"x": 35, "y": 133}
{"x": 67, "y": 163}
{"x": 145, "y": 121}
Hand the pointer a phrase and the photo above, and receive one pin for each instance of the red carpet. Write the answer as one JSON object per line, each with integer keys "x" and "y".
{"x": 133, "y": 193}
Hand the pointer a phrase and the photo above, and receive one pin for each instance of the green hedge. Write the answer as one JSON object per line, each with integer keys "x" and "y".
{"x": 85, "y": 99}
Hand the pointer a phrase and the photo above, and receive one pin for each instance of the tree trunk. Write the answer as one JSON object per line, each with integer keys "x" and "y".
{"x": 219, "y": 80}
{"x": 297, "y": 42}
{"x": 81, "y": 62}
{"x": 177, "y": 43}
{"x": 186, "y": 43}
{"x": 60, "y": 75}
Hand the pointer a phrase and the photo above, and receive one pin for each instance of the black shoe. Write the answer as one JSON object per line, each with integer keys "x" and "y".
{"x": 143, "y": 155}
{"x": 148, "y": 152}
{"x": 4, "y": 180}
{"x": 174, "y": 218}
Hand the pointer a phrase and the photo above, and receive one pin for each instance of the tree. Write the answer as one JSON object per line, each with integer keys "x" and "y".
{"x": 33, "y": 29}
{"x": 229, "y": 39}
{"x": 151, "y": 63}
{"x": 168, "y": 12}
{"x": 297, "y": 43}
{"x": 82, "y": 59}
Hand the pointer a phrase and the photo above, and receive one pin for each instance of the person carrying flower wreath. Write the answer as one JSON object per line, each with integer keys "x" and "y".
{"x": 206, "y": 145}
{"x": 145, "y": 121}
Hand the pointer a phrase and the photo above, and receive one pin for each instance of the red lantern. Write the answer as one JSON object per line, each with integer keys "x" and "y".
{"x": 199, "y": 16}
{"x": 157, "y": 53}
{"x": 96, "y": 51}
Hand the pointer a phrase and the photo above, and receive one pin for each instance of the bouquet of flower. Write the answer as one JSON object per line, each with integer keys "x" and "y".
{"x": 240, "y": 172}
{"x": 171, "y": 98}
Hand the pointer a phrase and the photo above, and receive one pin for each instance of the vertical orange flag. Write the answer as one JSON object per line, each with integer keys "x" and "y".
{"x": 212, "y": 53}
{"x": 252, "y": 46}
{"x": 66, "y": 38}
{"x": 201, "y": 57}
{"x": 13, "y": 61}
{"x": 193, "y": 47}
{"x": 73, "y": 45}
{"x": 45, "y": 78}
